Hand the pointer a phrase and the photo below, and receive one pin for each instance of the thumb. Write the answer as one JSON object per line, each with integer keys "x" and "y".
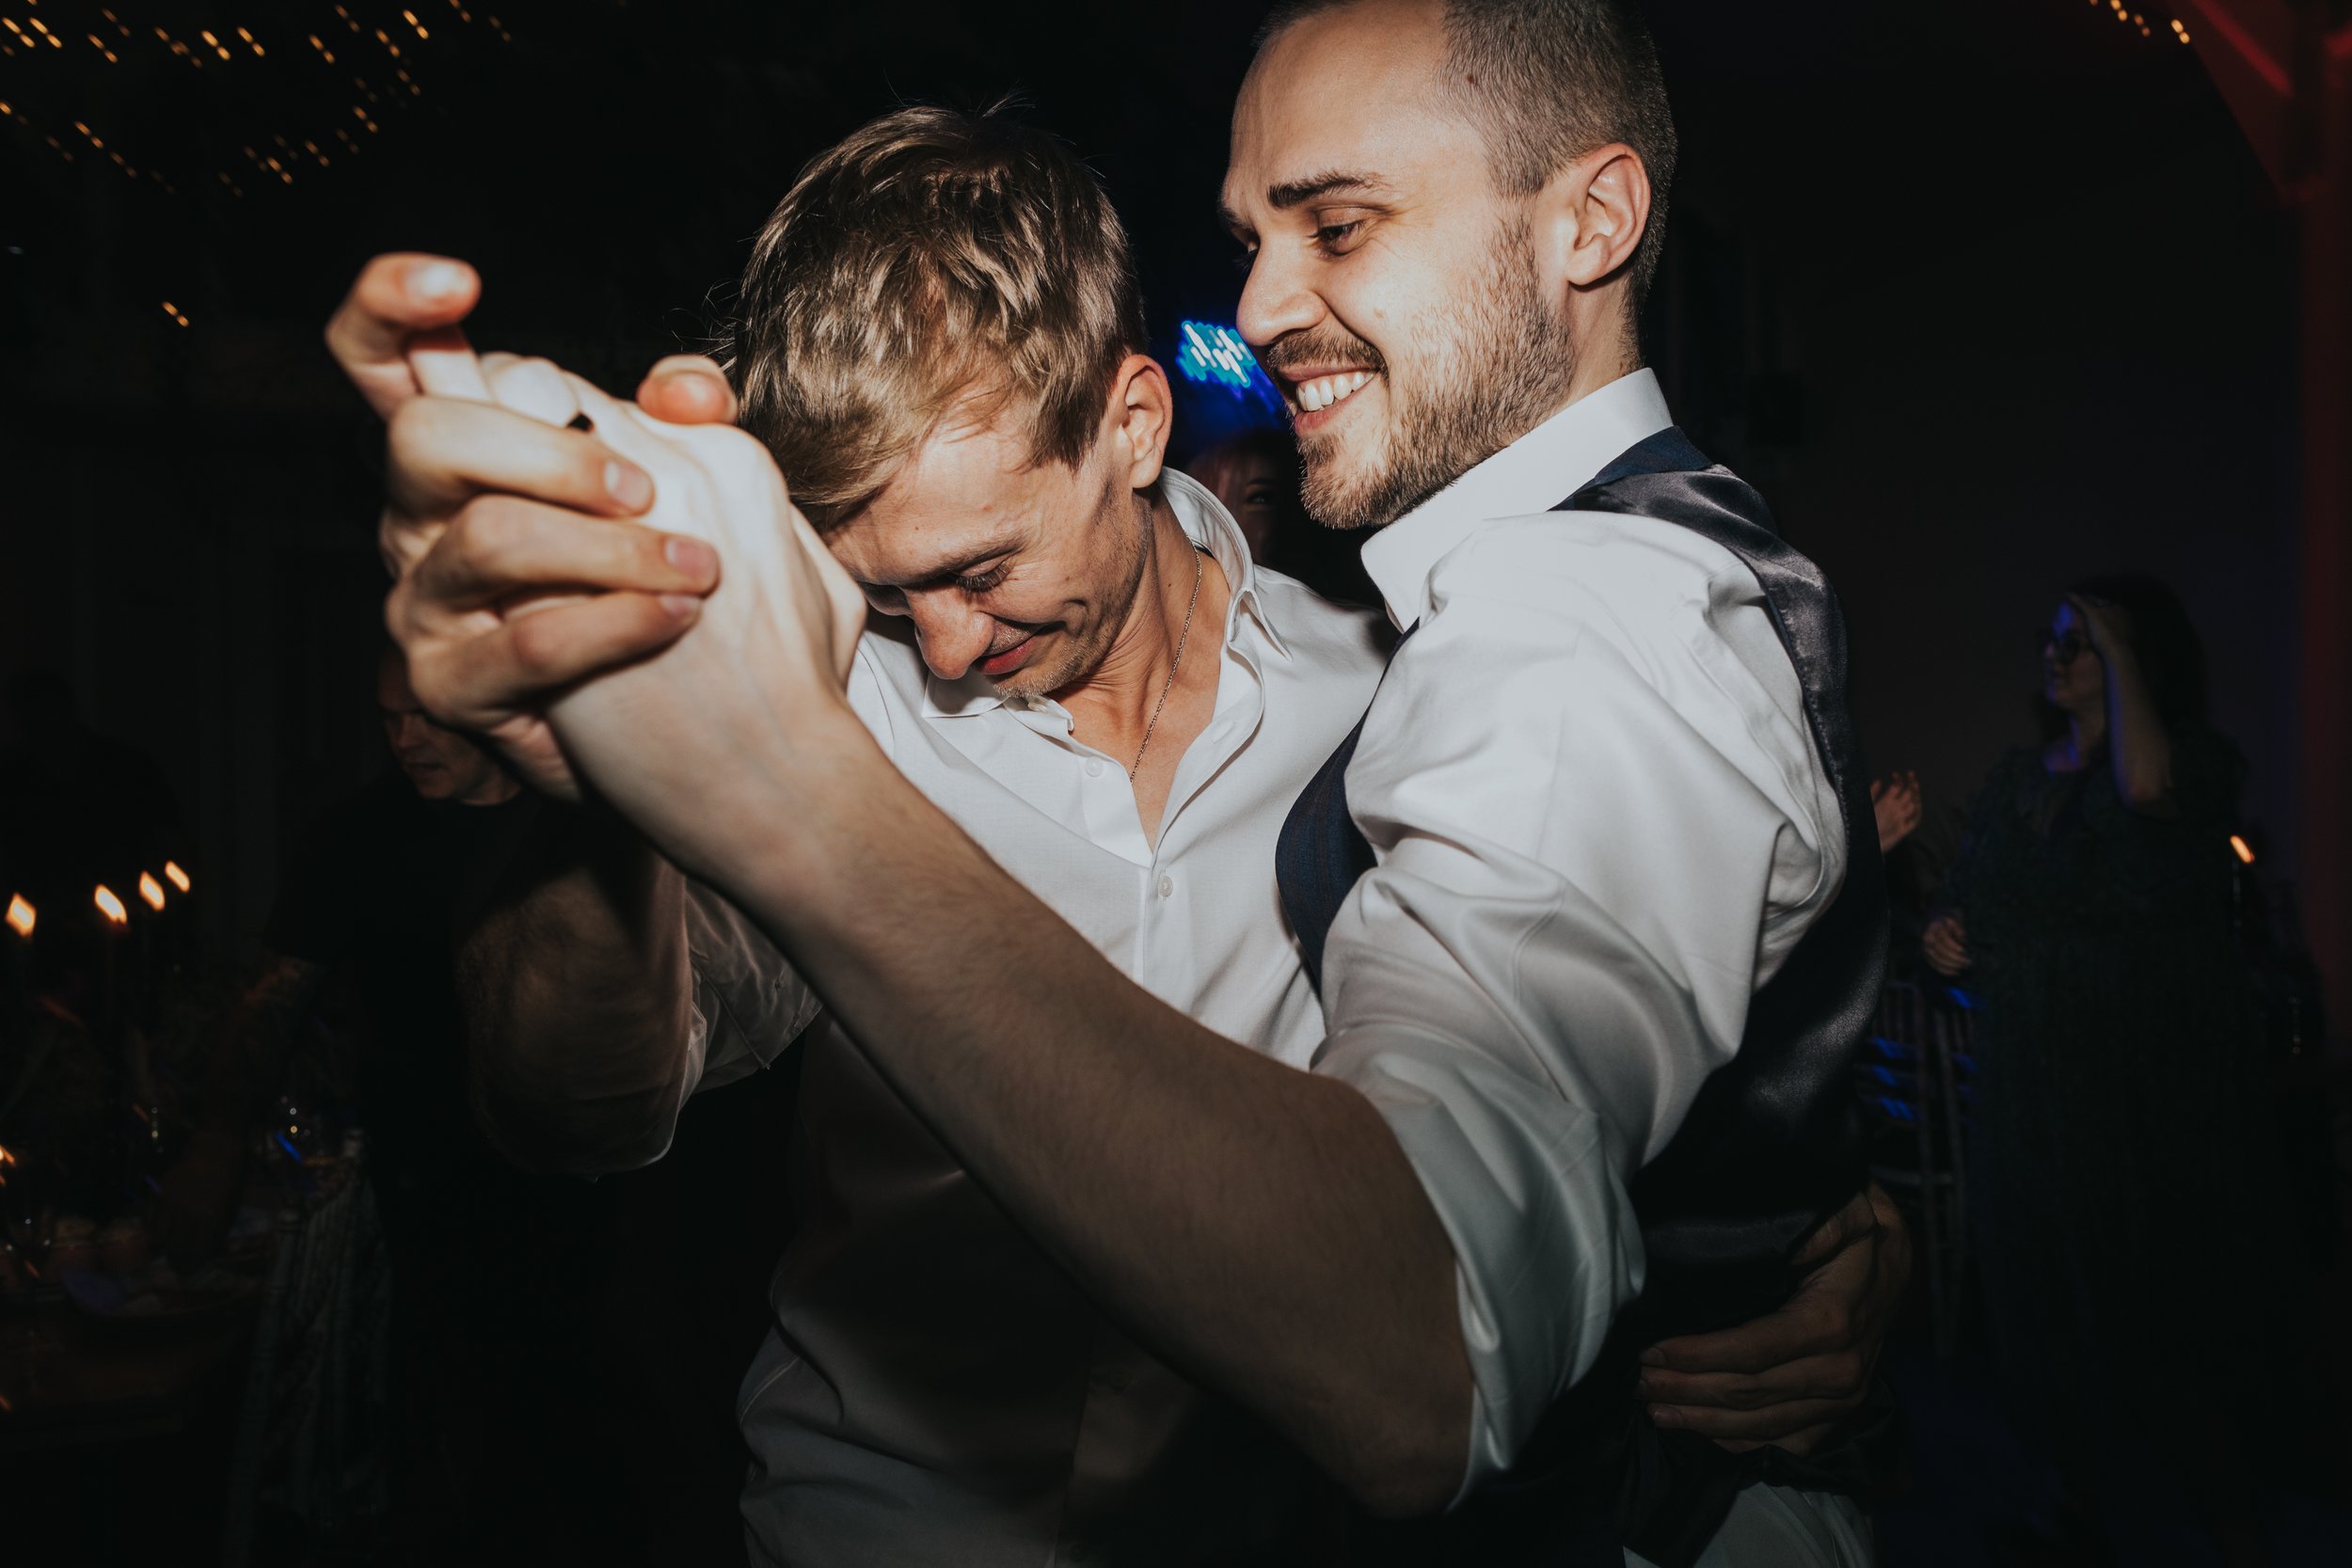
{"x": 687, "y": 389}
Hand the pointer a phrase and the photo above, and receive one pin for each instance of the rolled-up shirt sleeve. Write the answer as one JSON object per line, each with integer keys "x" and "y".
{"x": 749, "y": 1002}
{"x": 1600, "y": 822}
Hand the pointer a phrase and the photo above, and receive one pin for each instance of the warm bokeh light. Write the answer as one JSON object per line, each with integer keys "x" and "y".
{"x": 176, "y": 877}
{"x": 151, "y": 890}
{"x": 2244, "y": 850}
{"x": 110, "y": 906}
{"x": 21, "y": 917}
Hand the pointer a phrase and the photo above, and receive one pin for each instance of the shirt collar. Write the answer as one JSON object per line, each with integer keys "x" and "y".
{"x": 1208, "y": 524}
{"x": 1532, "y": 474}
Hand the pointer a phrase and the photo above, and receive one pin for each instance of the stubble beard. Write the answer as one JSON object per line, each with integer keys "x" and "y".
{"x": 1084, "y": 655}
{"x": 1486, "y": 373}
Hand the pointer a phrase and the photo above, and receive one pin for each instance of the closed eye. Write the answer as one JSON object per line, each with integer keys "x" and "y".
{"x": 983, "y": 581}
{"x": 1337, "y": 239}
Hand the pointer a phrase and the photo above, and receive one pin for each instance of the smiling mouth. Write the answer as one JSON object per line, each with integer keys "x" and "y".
{"x": 1010, "y": 660}
{"x": 1313, "y": 394}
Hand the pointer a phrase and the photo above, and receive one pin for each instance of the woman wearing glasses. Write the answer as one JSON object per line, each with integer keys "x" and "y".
{"x": 2126, "y": 1188}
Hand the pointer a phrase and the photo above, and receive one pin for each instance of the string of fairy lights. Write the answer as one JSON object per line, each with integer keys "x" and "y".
{"x": 223, "y": 50}
{"x": 374, "y": 62}
{"x": 2157, "y": 28}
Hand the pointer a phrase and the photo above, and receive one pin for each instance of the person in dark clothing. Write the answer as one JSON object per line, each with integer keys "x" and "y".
{"x": 501, "y": 1398}
{"x": 2126, "y": 1187}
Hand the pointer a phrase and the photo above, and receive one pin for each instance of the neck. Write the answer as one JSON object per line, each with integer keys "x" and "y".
{"x": 1600, "y": 330}
{"x": 1115, "y": 701}
{"x": 2086, "y": 730}
{"x": 1597, "y": 365}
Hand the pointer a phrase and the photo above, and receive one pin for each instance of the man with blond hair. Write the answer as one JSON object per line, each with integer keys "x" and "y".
{"x": 940, "y": 346}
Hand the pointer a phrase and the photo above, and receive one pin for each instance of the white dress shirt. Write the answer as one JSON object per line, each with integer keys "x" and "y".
{"x": 936, "y": 1390}
{"x": 1600, "y": 824}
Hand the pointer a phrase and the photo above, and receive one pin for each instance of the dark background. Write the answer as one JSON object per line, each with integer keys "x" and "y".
{"x": 1984, "y": 296}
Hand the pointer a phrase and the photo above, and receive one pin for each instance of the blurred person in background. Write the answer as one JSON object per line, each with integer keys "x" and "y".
{"x": 1896, "y": 803}
{"x": 1256, "y": 475}
{"x": 499, "y": 1393}
{"x": 2130, "y": 1204}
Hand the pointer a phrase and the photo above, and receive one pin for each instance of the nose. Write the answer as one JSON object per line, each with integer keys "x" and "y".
{"x": 1275, "y": 299}
{"x": 952, "y": 634}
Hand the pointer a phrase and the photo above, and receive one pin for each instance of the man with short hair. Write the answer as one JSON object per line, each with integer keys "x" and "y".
{"x": 1264, "y": 1226}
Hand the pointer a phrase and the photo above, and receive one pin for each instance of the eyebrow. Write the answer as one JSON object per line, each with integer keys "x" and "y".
{"x": 1296, "y": 192}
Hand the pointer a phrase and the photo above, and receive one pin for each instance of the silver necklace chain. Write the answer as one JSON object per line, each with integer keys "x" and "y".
{"x": 1173, "y": 665}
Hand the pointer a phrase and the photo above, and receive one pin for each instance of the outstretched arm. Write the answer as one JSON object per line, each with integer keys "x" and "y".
{"x": 1258, "y": 1224}
{"x": 575, "y": 977}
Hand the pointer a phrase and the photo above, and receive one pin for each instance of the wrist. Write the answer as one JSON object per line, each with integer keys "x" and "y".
{"x": 785, "y": 826}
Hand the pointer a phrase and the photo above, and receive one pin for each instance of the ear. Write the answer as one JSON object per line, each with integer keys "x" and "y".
{"x": 1591, "y": 215}
{"x": 1142, "y": 413}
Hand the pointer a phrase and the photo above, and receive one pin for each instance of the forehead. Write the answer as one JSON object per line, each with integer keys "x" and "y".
{"x": 1356, "y": 89}
{"x": 966, "y": 489}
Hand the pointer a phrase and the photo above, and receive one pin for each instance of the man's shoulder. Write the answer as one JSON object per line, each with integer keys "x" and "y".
{"x": 1328, "y": 639}
{"x": 1631, "y": 578}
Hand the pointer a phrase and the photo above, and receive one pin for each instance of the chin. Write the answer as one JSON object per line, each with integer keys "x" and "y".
{"x": 1052, "y": 670}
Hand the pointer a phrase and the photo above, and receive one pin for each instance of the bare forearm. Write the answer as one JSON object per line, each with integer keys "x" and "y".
{"x": 576, "y": 990}
{"x": 2141, "y": 753}
{"x": 1255, "y": 1223}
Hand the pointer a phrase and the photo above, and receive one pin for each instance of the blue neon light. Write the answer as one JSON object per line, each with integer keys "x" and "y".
{"x": 1215, "y": 356}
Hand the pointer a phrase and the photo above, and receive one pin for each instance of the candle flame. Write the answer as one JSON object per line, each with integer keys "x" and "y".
{"x": 21, "y": 917}
{"x": 176, "y": 877}
{"x": 151, "y": 890}
{"x": 109, "y": 905}
{"x": 2244, "y": 850}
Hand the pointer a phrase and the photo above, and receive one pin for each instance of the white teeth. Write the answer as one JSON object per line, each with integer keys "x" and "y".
{"x": 1325, "y": 391}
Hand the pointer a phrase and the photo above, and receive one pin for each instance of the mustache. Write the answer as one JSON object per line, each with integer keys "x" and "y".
{"x": 1318, "y": 348}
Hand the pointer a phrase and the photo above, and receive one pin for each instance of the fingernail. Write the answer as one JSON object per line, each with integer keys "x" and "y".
{"x": 628, "y": 485}
{"x": 691, "y": 556}
{"x": 1664, "y": 1416}
{"x": 683, "y": 606}
{"x": 1643, "y": 1386}
{"x": 1653, "y": 1357}
{"x": 437, "y": 280}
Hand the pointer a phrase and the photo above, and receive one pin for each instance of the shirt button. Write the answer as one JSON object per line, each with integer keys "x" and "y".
{"x": 1168, "y": 887}
{"x": 1095, "y": 768}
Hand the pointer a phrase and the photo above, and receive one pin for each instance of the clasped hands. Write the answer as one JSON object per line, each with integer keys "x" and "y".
{"x": 620, "y": 596}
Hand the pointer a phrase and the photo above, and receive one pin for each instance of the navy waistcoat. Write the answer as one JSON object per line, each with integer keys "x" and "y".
{"x": 1772, "y": 1144}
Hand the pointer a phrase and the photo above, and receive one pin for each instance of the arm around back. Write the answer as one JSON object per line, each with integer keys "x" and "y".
{"x": 577, "y": 991}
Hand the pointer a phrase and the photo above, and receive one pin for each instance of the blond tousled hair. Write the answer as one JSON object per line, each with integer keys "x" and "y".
{"x": 934, "y": 264}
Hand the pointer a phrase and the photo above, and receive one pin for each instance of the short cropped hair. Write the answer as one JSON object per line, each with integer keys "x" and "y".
{"x": 932, "y": 263}
{"x": 1547, "y": 81}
